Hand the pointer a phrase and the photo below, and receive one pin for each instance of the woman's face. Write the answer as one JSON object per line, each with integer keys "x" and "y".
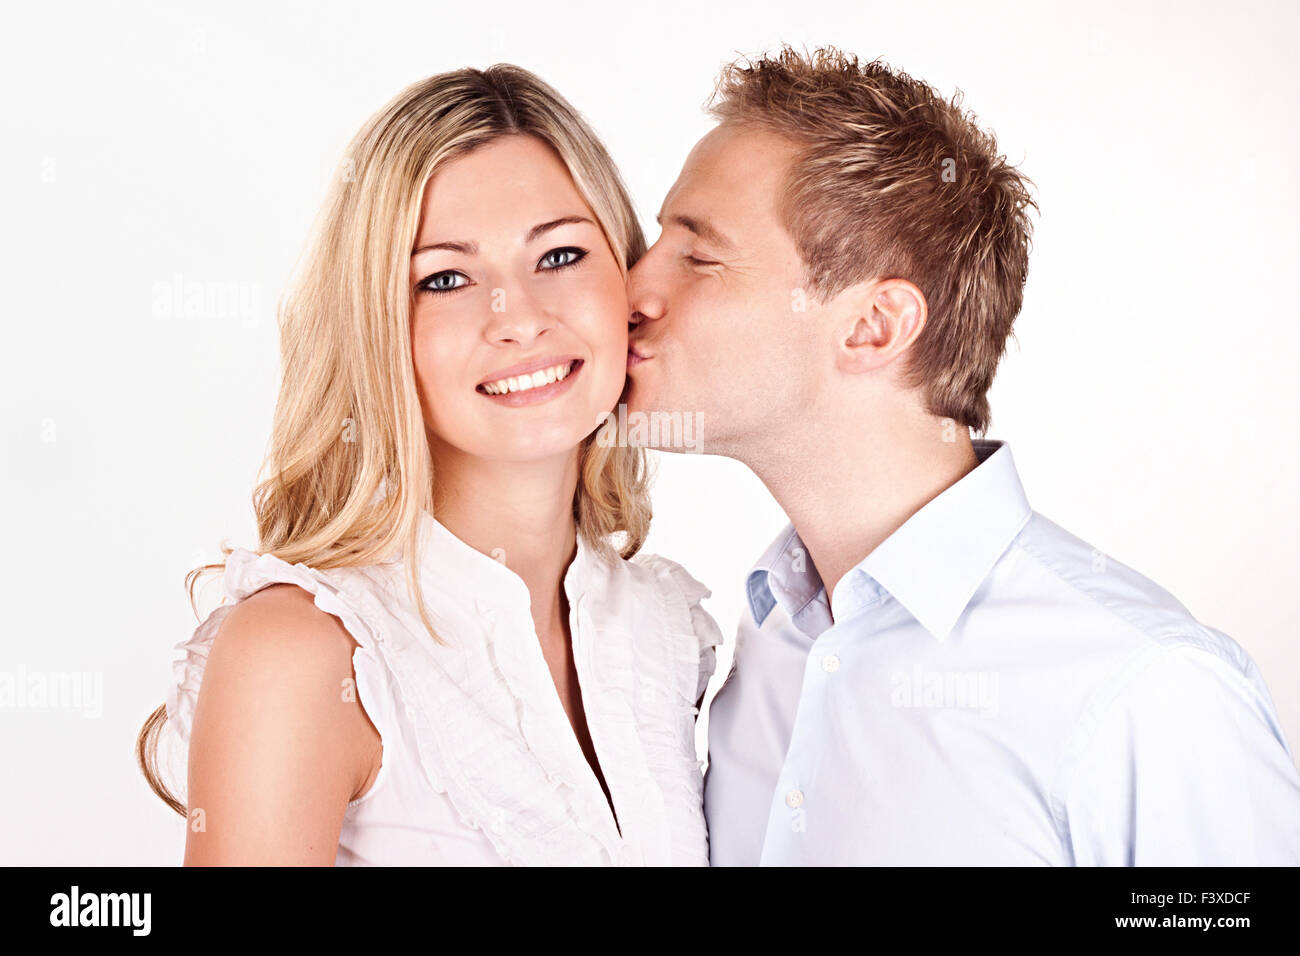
{"x": 519, "y": 309}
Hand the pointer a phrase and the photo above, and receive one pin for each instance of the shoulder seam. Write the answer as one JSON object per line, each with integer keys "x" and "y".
{"x": 1171, "y": 636}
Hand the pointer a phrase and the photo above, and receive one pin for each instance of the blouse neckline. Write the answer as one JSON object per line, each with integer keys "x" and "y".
{"x": 466, "y": 573}
{"x": 502, "y": 602}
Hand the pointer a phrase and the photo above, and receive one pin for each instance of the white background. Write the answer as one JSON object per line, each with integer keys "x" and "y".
{"x": 1150, "y": 399}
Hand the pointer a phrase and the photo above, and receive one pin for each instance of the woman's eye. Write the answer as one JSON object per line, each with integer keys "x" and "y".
{"x": 559, "y": 258}
{"x": 443, "y": 282}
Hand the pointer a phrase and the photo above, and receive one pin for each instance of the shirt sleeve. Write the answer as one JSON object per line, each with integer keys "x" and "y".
{"x": 1185, "y": 765}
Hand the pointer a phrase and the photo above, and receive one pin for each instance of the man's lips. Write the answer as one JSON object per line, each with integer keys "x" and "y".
{"x": 635, "y": 356}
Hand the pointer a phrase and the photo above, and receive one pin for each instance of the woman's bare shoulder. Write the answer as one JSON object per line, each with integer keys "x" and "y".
{"x": 280, "y": 743}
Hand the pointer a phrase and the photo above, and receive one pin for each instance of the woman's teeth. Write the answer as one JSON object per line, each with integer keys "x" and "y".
{"x": 523, "y": 383}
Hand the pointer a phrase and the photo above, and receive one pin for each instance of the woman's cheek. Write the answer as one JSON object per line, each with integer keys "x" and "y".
{"x": 434, "y": 373}
{"x": 608, "y": 330}
{"x": 613, "y": 310}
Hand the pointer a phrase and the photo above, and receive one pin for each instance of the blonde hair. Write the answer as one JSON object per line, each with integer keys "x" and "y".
{"x": 894, "y": 181}
{"x": 348, "y": 421}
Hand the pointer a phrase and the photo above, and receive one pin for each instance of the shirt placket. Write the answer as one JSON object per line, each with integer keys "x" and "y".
{"x": 795, "y": 802}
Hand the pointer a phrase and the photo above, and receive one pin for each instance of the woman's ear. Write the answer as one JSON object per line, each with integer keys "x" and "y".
{"x": 881, "y": 318}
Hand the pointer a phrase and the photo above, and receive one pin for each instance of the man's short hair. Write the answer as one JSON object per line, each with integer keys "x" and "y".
{"x": 893, "y": 181}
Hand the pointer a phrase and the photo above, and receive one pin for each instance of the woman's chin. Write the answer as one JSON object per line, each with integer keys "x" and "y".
{"x": 539, "y": 441}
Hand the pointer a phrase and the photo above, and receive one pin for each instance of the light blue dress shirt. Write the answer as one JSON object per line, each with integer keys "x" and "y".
{"x": 988, "y": 689}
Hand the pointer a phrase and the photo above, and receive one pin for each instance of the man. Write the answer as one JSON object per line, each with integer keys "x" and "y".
{"x": 928, "y": 672}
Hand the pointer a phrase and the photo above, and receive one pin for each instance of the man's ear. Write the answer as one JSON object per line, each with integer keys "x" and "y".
{"x": 881, "y": 318}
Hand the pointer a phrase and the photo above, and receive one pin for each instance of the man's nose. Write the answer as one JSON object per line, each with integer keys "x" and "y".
{"x": 645, "y": 302}
{"x": 637, "y": 317}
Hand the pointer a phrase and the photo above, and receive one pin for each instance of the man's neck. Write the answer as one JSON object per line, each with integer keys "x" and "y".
{"x": 847, "y": 489}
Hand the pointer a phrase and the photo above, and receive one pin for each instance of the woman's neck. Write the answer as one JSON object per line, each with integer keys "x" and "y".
{"x": 519, "y": 513}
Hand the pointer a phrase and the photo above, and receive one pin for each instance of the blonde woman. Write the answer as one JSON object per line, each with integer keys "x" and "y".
{"x": 443, "y": 651}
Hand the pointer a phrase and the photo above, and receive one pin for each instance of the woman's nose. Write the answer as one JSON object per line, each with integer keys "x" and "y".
{"x": 518, "y": 318}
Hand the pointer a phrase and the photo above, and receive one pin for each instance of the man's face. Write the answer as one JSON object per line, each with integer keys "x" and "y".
{"x": 722, "y": 327}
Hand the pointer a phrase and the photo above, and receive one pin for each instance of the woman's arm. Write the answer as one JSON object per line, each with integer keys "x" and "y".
{"x": 279, "y": 746}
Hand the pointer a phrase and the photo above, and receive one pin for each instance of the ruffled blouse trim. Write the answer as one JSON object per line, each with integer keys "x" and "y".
{"x": 687, "y": 655}
{"x": 479, "y": 715}
{"x": 246, "y": 573}
{"x": 700, "y": 637}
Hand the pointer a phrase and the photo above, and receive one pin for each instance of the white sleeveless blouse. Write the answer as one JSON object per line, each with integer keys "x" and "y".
{"x": 480, "y": 763}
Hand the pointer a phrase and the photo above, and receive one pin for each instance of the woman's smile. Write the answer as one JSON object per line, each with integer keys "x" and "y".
{"x": 532, "y": 382}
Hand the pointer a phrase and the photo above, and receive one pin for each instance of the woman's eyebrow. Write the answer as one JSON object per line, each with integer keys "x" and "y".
{"x": 468, "y": 248}
{"x": 471, "y": 248}
{"x": 541, "y": 228}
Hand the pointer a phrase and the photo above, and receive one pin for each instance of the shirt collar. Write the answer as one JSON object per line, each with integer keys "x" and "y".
{"x": 470, "y": 573}
{"x": 785, "y": 575}
{"x": 932, "y": 565}
{"x": 449, "y": 564}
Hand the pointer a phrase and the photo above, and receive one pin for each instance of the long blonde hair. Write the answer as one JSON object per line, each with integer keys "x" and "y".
{"x": 348, "y": 420}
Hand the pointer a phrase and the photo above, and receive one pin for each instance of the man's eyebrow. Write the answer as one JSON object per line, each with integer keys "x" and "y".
{"x": 471, "y": 248}
{"x": 702, "y": 228}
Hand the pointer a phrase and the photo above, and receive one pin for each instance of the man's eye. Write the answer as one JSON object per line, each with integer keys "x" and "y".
{"x": 699, "y": 262}
{"x": 443, "y": 282}
{"x": 560, "y": 258}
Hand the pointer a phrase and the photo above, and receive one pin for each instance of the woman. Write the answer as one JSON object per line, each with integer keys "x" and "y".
{"x": 443, "y": 653}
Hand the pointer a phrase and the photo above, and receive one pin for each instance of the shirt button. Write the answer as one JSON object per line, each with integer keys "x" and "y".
{"x": 794, "y": 799}
{"x": 830, "y": 663}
